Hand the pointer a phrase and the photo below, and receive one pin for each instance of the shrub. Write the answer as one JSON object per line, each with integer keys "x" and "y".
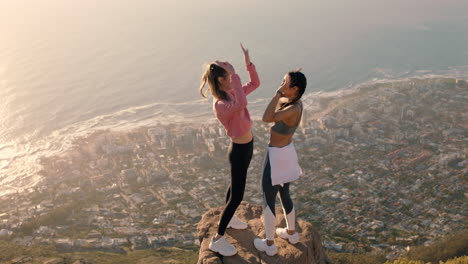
{"x": 349, "y": 258}
{"x": 449, "y": 247}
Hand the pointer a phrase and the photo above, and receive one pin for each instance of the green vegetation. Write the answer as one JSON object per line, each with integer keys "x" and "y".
{"x": 149, "y": 256}
{"x": 10, "y": 250}
{"x": 57, "y": 216}
{"x": 462, "y": 260}
{"x": 442, "y": 250}
{"x": 60, "y": 215}
{"x": 350, "y": 258}
{"x": 449, "y": 250}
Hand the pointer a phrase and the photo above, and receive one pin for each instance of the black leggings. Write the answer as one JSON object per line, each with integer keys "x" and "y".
{"x": 239, "y": 157}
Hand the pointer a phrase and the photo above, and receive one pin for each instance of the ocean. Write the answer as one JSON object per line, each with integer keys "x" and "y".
{"x": 69, "y": 68}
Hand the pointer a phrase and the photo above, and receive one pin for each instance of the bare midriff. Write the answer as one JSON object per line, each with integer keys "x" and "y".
{"x": 279, "y": 140}
{"x": 246, "y": 138}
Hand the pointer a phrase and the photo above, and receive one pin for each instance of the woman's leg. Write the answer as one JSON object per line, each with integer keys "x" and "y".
{"x": 269, "y": 199}
{"x": 228, "y": 194}
{"x": 239, "y": 157}
{"x": 288, "y": 207}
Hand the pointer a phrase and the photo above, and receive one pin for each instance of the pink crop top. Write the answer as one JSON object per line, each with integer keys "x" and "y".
{"x": 233, "y": 114}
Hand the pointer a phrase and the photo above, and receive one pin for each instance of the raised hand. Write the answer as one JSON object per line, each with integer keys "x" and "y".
{"x": 246, "y": 55}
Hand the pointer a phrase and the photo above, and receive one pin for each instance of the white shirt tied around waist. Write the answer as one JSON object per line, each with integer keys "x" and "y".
{"x": 284, "y": 164}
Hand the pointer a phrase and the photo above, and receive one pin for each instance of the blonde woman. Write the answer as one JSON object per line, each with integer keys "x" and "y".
{"x": 230, "y": 108}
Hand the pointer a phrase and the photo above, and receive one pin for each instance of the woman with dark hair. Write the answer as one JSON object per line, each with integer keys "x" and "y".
{"x": 281, "y": 163}
{"x": 230, "y": 108}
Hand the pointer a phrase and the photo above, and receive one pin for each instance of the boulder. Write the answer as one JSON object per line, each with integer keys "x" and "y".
{"x": 22, "y": 260}
{"x": 54, "y": 261}
{"x": 309, "y": 250}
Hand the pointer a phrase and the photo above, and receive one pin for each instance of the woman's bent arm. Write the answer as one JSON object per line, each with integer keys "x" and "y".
{"x": 269, "y": 115}
{"x": 273, "y": 115}
{"x": 239, "y": 101}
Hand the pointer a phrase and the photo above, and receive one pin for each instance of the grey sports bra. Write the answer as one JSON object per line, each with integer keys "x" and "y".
{"x": 282, "y": 128}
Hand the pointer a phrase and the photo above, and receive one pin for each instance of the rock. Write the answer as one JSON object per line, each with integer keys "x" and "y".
{"x": 4, "y": 232}
{"x": 54, "y": 261}
{"x": 22, "y": 260}
{"x": 80, "y": 260}
{"x": 83, "y": 261}
{"x": 309, "y": 250}
{"x": 156, "y": 260}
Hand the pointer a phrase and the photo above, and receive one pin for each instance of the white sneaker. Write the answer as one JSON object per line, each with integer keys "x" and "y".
{"x": 236, "y": 223}
{"x": 283, "y": 233}
{"x": 261, "y": 245}
{"x": 222, "y": 246}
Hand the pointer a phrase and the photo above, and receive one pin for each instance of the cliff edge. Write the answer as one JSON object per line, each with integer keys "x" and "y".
{"x": 309, "y": 250}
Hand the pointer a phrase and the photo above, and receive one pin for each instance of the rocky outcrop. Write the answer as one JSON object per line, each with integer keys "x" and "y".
{"x": 54, "y": 261}
{"x": 309, "y": 250}
{"x": 57, "y": 260}
{"x": 22, "y": 260}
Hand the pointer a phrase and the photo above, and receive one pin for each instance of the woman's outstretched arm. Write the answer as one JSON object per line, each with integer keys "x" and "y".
{"x": 254, "y": 80}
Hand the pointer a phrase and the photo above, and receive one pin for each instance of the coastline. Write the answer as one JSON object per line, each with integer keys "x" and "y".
{"x": 64, "y": 139}
{"x": 391, "y": 159}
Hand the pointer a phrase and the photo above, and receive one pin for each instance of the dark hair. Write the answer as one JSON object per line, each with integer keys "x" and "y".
{"x": 298, "y": 79}
{"x": 210, "y": 76}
